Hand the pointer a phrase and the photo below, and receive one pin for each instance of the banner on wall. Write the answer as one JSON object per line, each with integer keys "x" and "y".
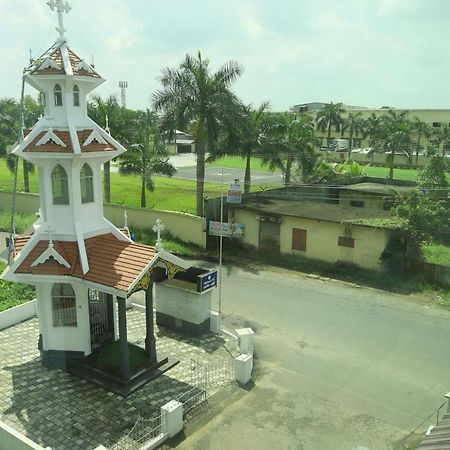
{"x": 235, "y": 230}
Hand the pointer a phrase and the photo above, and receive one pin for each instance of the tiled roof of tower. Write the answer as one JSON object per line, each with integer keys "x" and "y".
{"x": 112, "y": 262}
{"x": 56, "y": 57}
{"x": 52, "y": 147}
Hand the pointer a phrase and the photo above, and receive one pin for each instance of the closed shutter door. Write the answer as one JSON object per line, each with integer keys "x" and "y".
{"x": 299, "y": 239}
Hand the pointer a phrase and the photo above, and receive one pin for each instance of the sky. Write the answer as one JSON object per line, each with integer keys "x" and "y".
{"x": 360, "y": 52}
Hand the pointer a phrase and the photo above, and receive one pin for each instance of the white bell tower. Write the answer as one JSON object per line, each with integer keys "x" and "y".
{"x": 66, "y": 145}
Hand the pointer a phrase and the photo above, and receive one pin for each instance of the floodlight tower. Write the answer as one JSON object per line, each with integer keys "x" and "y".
{"x": 123, "y": 96}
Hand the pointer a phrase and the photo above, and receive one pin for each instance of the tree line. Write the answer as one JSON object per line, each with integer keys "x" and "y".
{"x": 195, "y": 99}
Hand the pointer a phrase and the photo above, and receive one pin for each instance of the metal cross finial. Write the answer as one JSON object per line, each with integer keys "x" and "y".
{"x": 107, "y": 125}
{"x": 157, "y": 229}
{"x": 60, "y": 6}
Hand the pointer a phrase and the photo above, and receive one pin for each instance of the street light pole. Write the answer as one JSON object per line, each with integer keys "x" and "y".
{"x": 221, "y": 248}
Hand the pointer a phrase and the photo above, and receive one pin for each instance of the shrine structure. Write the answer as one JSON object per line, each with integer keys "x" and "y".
{"x": 83, "y": 267}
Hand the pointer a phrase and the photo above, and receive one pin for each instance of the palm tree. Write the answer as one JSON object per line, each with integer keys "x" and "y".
{"x": 192, "y": 95}
{"x": 107, "y": 114}
{"x": 394, "y": 135}
{"x": 9, "y": 115}
{"x": 371, "y": 128}
{"x": 10, "y": 118}
{"x": 329, "y": 171}
{"x": 329, "y": 115}
{"x": 147, "y": 156}
{"x": 290, "y": 139}
{"x": 248, "y": 138}
{"x": 421, "y": 129}
{"x": 442, "y": 136}
{"x": 354, "y": 124}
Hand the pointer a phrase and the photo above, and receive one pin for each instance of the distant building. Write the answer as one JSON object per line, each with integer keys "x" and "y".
{"x": 343, "y": 221}
{"x": 317, "y": 106}
{"x": 184, "y": 143}
{"x": 435, "y": 118}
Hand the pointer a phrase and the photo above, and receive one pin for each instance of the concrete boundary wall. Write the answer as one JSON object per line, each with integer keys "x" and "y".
{"x": 187, "y": 227}
{"x": 11, "y": 439}
{"x": 17, "y": 314}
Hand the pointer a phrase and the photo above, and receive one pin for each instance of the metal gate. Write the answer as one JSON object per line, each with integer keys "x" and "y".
{"x": 100, "y": 318}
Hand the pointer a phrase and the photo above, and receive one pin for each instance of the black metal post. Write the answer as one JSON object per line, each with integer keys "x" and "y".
{"x": 150, "y": 341}
{"x": 124, "y": 356}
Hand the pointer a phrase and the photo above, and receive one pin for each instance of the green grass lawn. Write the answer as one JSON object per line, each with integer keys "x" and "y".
{"x": 22, "y": 220}
{"x": 437, "y": 254}
{"x": 174, "y": 194}
{"x": 236, "y": 162}
{"x": 13, "y": 294}
{"x": 170, "y": 194}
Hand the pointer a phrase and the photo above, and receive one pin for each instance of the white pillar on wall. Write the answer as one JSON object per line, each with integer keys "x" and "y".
{"x": 172, "y": 418}
{"x": 243, "y": 368}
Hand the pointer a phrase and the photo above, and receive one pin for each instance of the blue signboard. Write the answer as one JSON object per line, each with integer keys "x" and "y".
{"x": 207, "y": 281}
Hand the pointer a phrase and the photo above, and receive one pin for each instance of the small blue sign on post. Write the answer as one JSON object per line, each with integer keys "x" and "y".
{"x": 207, "y": 281}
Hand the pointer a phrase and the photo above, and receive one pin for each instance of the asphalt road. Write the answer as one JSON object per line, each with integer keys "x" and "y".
{"x": 339, "y": 367}
{"x": 214, "y": 175}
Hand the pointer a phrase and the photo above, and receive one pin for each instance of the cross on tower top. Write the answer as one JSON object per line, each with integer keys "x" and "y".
{"x": 60, "y": 6}
{"x": 157, "y": 229}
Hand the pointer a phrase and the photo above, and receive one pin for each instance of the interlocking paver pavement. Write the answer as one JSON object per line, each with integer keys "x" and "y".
{"x": 59, "y": 410}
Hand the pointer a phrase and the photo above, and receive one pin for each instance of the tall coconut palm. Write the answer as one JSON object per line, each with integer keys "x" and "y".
{"x": 394, "y": 136}
{"x": 371, "y": 128}
{"x": 329, "y": 115}
{"x": 107, "y": 114}
{"x": 10, "y": 126}
{"x": 147, "y": 156}
{"x": 9, "y": 115}
{"x": 354, "y": 124}
{"x": 290, "y": 140}
{"x": 248, "y": 138}
{"x": 442, "y": 137}
{"x": 194, "y": 96}
{"x": 420, "y": 129}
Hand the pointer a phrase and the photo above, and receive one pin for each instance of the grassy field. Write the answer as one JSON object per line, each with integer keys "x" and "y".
{"x": 13, "y": 294}
{"x": 437, "y": 254}
{"x": 171, "y": 194}
{"x": 174, "y": 194}
{"x": 236, "y": 162}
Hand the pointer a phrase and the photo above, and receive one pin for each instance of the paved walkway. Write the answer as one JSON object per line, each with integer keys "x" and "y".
{"x": 56, "y": 409}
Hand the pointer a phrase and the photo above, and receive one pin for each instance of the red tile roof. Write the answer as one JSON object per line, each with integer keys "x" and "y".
{"x": 112, "y": 262}
{"x": 56, "y": 56}
{"x": 51, "y": 147}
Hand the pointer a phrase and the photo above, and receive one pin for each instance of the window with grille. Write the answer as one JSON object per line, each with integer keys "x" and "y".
{"x": 60, "y": 186}
{"x": 64, "y": 305}
{"x": 299, "y": 239}
{"x": 357, "y": 203}
{"x": 344, "y": 241}
{"x": 87, "y": 184}
{"x": 58, "y": 95}
{"x": 76, "y": 96}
